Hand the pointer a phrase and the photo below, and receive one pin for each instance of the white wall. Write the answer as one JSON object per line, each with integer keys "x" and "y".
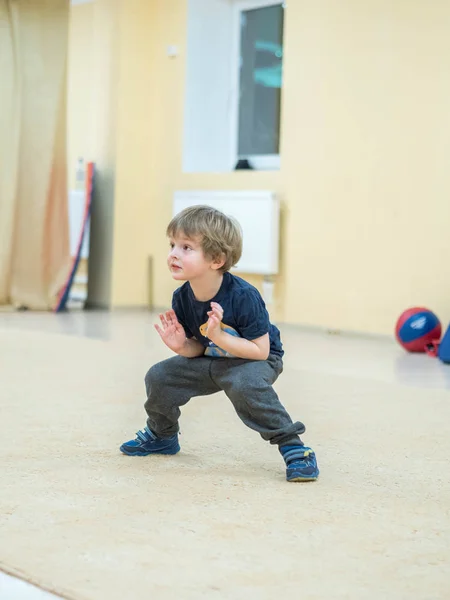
{"x": 207, "y": 140}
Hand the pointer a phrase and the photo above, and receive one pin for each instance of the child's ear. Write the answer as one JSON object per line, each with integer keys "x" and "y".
{"x": 218, "y": 262}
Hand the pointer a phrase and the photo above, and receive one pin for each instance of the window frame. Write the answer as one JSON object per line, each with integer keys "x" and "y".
{"x": 260, "y": 162}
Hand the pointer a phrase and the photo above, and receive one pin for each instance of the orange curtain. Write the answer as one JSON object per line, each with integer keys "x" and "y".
{"x": 34, "y": 227}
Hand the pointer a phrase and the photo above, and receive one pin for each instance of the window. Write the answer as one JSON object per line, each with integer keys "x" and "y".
{"x": 233, "y": 85}
{"x": 259, "y": 67}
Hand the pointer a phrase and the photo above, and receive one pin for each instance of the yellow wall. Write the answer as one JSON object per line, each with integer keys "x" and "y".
{"x": 364, "y": 182}
{"x": 149, "y": 152}
{"x": 92, "y": 84}
{"x": 80, "y": 97}
{"x": 366, "y": 159}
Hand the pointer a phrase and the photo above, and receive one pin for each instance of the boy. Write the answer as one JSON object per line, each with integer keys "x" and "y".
{"x": 220, "y": 329}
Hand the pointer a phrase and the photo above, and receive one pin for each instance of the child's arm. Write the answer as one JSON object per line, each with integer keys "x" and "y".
{"x": 257, "y": 349}
{"x": 191, "y": 349}
{"x": 173, "y": 335}
{"x": 241, "y": 348}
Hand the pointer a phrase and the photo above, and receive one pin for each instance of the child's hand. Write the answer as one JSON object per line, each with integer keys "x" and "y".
{"x": 215, "y": 317}
{"x": 172, "y": 333}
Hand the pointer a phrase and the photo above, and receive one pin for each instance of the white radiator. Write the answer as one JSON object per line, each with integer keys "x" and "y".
{"x": 258, "y": 213}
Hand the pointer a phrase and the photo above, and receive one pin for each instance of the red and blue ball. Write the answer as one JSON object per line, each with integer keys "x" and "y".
{"x": 416, "y": 328}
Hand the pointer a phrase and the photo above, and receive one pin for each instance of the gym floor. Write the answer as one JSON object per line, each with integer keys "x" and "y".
{"x": 370, "y": 358}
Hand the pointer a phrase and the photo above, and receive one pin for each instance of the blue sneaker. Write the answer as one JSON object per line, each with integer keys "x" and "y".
{"x": 146, "y": 443}
{"x": 301, "y": 464}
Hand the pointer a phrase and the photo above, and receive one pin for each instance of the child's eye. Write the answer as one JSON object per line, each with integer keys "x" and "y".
{"x": 185, "y": 248}
{"x": 171, "y": 244}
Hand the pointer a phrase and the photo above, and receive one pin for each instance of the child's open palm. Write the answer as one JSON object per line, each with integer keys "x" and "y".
{"x": 215, "y": 316}
{"x": 172, "y": 332}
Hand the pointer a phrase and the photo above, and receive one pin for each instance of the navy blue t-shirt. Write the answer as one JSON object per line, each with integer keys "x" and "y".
{"x": 244, "y": 314}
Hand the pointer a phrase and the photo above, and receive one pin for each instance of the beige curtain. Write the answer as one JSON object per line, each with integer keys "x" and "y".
{"x": 34, "y": 229}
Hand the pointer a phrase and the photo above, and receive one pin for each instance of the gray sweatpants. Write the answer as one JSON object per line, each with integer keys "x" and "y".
{"x": 247, "y": 383}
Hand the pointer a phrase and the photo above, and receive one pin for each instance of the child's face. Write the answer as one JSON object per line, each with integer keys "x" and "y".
{"x": 187, "y": 260}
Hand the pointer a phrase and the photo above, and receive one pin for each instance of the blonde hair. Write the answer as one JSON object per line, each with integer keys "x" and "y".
{"x": 220, "y": 234}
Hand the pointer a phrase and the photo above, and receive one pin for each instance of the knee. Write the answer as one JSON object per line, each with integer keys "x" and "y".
{"x": 250, "y": 390}
{"x": 154, "y": 376}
